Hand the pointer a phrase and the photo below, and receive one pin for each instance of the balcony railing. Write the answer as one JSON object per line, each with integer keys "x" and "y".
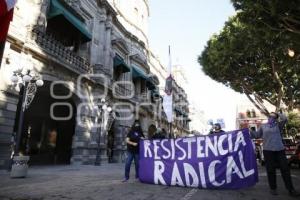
{"x": 142, "y": 98}
{"x": 53, "y": 47}
{"x": 122, "y": 90}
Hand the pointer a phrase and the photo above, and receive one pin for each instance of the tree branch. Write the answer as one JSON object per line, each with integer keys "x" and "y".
{"x": 260, "y": 101}
{"x": 289, "y": 27}
{"x": 269, "y": 100}
{"x": 269, "y": 26}
{"x": 295, "y": 21}
{"x": 281, "y": 86}
{"x": 248, "y": 93}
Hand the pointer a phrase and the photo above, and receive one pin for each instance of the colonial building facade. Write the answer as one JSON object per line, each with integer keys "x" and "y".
{"x": 248, "y": 116}
{"x": 86, "y": 52}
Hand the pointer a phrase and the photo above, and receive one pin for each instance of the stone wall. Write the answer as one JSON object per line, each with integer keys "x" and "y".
{"x": 31, "y": 47}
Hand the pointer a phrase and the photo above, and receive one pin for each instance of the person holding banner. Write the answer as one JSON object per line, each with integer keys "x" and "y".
{"x": 217, "y": 129}
{"x": 274, "y": 152}
{"x": 158, "y": 134}
{"x": 133, "y": 138}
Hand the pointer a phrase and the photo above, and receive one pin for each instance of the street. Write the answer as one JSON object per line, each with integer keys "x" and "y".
{"x": 104, "y": 182}
{"x": 195, "y": 92}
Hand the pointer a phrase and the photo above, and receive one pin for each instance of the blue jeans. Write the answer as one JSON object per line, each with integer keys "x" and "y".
{"x": 130, "y": 157}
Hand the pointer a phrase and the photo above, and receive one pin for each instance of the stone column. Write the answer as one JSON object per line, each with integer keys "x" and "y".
{"x": 102, "y": 20}
{"x": 95, "y": 48}
{"x": 42, "y": 19}
{"x": 99, "y": 32}
{"x": 119, "y": 142}
{"x": 8, "y": 107}
{"x": 107, "y": 47}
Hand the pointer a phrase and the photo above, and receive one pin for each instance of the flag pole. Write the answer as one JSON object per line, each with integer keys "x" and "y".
{"x": 168, "y": 97}
{"x": 170, "y": 73}
{"x": 170, "y": 127}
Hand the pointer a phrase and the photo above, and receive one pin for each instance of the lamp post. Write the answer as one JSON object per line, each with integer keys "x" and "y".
{"x": 105, "y": 109}
{"x": 28, "y": 88}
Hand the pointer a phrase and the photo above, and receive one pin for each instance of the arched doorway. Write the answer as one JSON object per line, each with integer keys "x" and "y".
{"x": 47, "y": 138}
{"x": 110, "y": 143}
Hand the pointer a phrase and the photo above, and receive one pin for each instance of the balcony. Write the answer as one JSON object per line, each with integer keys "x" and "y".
{"x": 122, "y": 91}
{"x": 59, "y": 52}
{"x": 145, "y": 97}
{"x": 142, "y": 98}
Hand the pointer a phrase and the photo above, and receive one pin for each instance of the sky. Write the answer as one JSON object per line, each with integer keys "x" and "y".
{"x": 187, "y": 25}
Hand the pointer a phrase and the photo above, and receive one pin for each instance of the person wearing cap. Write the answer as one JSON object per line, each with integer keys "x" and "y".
{"x": 274, "y": 151}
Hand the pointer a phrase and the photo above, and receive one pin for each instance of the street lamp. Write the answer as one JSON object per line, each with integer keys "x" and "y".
{"x": 105, "y": 111}
{"x": 291, "y": 53}
{"x": 28, "y": 89}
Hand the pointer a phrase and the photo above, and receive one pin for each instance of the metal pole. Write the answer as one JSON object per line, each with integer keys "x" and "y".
{"x": 171, "y": 135}
{"x": 21, "y": 119}
{"x": 98, "y": 155}
{"x": 2, "y": 47}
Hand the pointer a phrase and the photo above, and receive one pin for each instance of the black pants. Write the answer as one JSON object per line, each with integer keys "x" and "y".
{"x": 274, "y": 159}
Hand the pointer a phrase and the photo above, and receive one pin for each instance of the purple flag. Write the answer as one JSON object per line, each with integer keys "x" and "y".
{"x": 225, "y": 161}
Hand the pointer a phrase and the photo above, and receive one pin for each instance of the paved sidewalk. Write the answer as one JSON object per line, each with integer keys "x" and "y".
{"x": 104, "y": 183}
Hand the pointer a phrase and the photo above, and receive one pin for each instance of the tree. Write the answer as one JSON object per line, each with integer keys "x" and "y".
{"x": 254, "y": 61}
{"x": 276, "y": 15}
{"x": 293, "y": 124}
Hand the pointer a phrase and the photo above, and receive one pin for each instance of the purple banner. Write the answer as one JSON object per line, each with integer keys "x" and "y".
{"x": 225, "y": 161}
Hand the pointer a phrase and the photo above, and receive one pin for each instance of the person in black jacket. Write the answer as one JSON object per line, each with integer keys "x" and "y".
{"x": 133, "y": 138}
{"x": 158, "y": 134}
{"x": 216, "y": 129}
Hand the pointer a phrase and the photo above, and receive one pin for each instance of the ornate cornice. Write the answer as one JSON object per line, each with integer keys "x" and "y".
{"x": 137, "y": 58}
{"x": 110, "y": 9}
{"x": 147, "y": 5}
{"x": 131, "y": 23}
{"x": 122, "y": 44}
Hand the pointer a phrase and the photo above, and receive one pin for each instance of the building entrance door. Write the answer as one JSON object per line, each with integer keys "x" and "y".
{"x": 47, "y": 139}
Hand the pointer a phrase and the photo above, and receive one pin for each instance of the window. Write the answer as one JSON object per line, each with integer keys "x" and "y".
{"x": 143, "y": 87}
{"x": 117, "y": 74}
{"x": 137, "y": 87}
{"x": 66, "y": 26}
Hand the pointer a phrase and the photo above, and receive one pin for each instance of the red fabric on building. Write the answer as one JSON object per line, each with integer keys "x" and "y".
{"x": 5, "y": 18}
{"x": 3, "y": 8}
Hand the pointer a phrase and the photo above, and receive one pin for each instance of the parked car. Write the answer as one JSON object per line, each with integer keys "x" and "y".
{"x": 297, "y": 139}
{"x": 295, "y": 159}
{"x": 290, "y": 150}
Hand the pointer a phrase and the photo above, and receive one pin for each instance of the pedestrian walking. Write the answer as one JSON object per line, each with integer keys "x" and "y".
{"x": 110, "y": 147}
{"x": 274, "y": 152}
{"x": 133, "y": 138}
